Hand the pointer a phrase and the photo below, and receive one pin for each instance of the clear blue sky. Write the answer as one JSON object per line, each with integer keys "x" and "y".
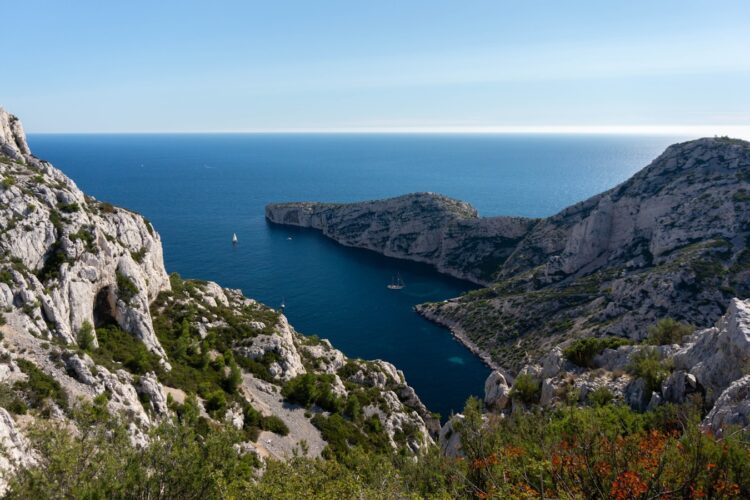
{"x": 80, "y": 66}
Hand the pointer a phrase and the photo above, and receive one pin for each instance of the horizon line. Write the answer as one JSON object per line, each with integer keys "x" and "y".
{"x": 742, "y": 131}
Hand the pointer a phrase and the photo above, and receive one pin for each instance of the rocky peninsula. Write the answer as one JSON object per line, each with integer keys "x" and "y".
{"x": 669, "y": 242}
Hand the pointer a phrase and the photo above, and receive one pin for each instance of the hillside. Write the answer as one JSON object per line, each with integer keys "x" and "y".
{"x": 118, "y": 380}
{"x": 91, "y": 317}
{"x": 669, "y": 242}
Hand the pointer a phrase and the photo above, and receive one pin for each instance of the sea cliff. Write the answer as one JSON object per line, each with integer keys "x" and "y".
{"x": 91, "y": 317}
{"x": 670, "y": 241}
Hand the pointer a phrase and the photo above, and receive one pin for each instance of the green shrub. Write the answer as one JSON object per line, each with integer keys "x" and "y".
{"x": 68, "y": 208}
{"x": 139, "y": 255}
{"x": 648, "y": 365}
{"x": 122, "y": 348}
{"x": 179, "y": 462}
{"x": 216, "y": 404}
{"x": 6, "y": 277}
{"x": 107, "y": 208}
{"x": 11, "y": 400}
{"x": 668, "y": 331}
{"x": 600, "y": 396}
{"x": 272, "y": 423}
{"x": 126, "y": 289}
{"x": 86, "y": 336}
{"x": 56, "y": 257}
{"x": 87, "y": 236}
{"x": 39, "y": 386}
{"x": 310, "y": 388}
{"x": 526, "y": 389}
{"x": 582, "y": 351}
{"x": 233, "y": 379}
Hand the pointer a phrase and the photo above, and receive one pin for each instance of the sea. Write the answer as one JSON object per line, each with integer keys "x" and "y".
{"x": 199, "y": 189}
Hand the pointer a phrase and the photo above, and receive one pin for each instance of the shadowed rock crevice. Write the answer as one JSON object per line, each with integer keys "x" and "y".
{"x": 104, "y": 307}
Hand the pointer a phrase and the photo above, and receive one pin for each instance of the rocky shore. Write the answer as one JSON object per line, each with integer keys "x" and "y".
{"x": 672, "y": 241}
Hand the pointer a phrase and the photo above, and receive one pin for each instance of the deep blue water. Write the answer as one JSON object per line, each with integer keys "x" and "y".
{"x": 199, "y": 189}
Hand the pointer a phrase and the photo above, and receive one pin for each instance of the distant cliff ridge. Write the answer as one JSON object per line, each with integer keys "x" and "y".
{"x": 424, "y": 227}
{"x": 670, "y": 241}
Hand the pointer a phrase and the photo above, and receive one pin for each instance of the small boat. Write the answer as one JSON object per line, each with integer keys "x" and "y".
{"x": 283, "y": 305}
{"x": 234, "y": 239}
{"x": 289, "y": 237}
{"x": 396, "y": 283}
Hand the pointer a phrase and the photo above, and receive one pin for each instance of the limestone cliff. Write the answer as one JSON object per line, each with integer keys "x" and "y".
{"x": 670, "y": 241}
{"x": 88, "y": 311}
{"x": 423, "y": 227}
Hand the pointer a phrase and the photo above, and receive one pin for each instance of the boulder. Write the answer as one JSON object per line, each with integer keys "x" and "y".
{"x": 496, "y": 391}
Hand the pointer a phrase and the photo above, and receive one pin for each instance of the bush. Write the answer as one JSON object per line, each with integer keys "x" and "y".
{"x": 120, "y": 347}
{"x": 668, "y": 331}
{"x": 582, "y": 351}
{"x": 234, "y": 379}
{"x": 107, "y": 208}
{"x": 139, "y": 255}
{"x": 648, "y": 365}
{"x": 526, "y": 389}
{"x": 309, "y": 389}
{"x": 102, "y": 462}
{"x": 274, "y": 424}
{"x": 86, "y": 336}
{"x": 52, "y": 264}
{"x": 68, "y": 208}
{"x": 87, "y": 236}
{"x": 600, "y": 396}
{"x": 216, "y": 404}
{"x": 39, "y": 386}
{"x": 126, "y": 289}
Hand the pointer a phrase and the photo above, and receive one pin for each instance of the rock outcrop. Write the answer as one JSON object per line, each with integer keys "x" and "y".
{"x": 68, "y": 259}
{"x": 88, "y": 310}
{"x": 670, "y": 241}
{"x": 423, "y": 227}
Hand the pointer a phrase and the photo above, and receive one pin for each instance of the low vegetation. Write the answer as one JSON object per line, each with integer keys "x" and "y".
{"x": 126, "y": 289}
{"x": 668, "y": 331}
{"x": 648, "y": 365}
{"x": 526, "y": 389}
{"x": 595, "y": 452}
{"x": 582, "y": 351}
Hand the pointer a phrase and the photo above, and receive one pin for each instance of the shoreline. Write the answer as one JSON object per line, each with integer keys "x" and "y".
{"x": 461, "y": 337}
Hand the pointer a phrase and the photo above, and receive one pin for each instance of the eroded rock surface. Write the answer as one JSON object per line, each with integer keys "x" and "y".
{"x": 88, "y": 308}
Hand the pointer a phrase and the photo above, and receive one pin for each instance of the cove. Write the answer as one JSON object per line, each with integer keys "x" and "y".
{"x": 198, "y": 189}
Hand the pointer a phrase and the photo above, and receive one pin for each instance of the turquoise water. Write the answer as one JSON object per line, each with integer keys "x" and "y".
{"x": 199, "y": 189}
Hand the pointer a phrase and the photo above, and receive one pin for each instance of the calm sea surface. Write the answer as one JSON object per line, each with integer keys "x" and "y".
{"x": 199, "y": 189}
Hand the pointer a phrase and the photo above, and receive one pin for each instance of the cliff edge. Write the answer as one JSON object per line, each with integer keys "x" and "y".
{"x": 670, "y": 241}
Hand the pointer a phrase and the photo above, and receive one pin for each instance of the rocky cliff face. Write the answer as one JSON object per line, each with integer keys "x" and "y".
{"x": 423, "y": 227}
{"x": 88, "y": 310}
{"x": 670, "y": 241}
{"x": 67, "y": 258}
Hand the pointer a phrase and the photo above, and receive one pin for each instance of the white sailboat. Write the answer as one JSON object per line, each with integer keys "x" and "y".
{"x": 234, "y": 239}
{"x": 396, "y": 283}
